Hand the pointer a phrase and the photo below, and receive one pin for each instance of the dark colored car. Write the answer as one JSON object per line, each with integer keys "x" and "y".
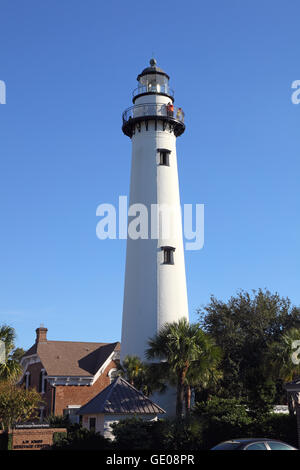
{"x": 253, "y": 444}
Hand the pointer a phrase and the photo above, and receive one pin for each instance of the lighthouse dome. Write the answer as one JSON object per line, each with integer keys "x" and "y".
{"x": 153, "y": 69}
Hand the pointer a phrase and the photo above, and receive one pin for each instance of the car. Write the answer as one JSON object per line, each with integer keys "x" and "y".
{"x": 253, "y": 444}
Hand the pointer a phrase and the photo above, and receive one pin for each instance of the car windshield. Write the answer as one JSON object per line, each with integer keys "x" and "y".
{"x": 227, "y": 446}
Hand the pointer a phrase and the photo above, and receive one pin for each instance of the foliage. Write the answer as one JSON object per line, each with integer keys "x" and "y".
{"x": 183, "y": 434}
{"x": 244, "y": 328}
{"x": 17, "y": 354}
{"x": 134, "y": 433}
{"x": 279, "y": 361}
{"x": 277, "y": 426}
{"x": 142, "y": 376}
{"x": 79, "y": 438}
{"x": 58, "y": 421}
{"x": 279, "y": 356}
{"x": 17, "y": 404}
{"x": 131, "y": 369}
{"x": 137, "y": 434}
{"x": 58, "y": 437}
{"x": 186, "y": 353}
{"x": 211, "y": 423}
{"x": 222, "y": 419}
{"x": 10, "y": 368}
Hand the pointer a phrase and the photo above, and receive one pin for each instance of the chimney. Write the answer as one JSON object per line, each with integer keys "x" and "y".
{"x": 41, "y": 334}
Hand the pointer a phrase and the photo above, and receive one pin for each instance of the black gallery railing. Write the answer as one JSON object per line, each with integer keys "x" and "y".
{"x": 152, "y": 109}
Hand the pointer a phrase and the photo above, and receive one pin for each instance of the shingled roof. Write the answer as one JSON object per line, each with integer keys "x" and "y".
{"x": 120, "y": 398}
{"x": 70, "y": 358}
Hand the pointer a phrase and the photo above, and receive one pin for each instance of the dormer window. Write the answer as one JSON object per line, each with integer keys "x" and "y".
{"x": 168, "y": 253}
{"x": 164, "y": 157}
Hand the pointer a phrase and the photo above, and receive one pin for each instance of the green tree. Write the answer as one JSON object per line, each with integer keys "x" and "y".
{"x": 10, "y": 367}
{"x": 244, "y": 327}
{"x": 135, "y": 433}
{"x": 17, "y": 404}
{"x": 281, "y": 361}
{"x": 203, "y": 373}
{"x": 144, "y": 377}
{"x": 131, "y": 369}
{"x": 79, "y": 438}
{"x": 183, "y": 348}
{"x": 17, "y": 354}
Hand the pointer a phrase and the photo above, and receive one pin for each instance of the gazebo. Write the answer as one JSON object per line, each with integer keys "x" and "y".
{"x": 118, "y": 401}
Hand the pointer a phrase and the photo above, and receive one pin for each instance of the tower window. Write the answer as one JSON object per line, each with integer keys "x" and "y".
{"x": 168, "y": 252}
{"x": 164, "y": 157}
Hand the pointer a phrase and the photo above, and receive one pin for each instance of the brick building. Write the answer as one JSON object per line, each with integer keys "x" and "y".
{"x": 68, "y": 374}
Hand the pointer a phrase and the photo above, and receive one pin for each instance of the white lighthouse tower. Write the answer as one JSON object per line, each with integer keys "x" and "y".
{"x": 155, "y": 282}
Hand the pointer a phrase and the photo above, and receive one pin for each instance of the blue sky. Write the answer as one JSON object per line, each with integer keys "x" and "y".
{"x": 70, "y": 68}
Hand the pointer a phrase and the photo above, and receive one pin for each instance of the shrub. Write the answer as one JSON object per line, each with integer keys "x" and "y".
{"x": 137, "y": 434}
{"x": 60, "y": 421}
{"x": 277, "y": 426}
{"x": 79, "y": 438}
{"x": 221, "y": 419}
{"x": 224, "y": 419}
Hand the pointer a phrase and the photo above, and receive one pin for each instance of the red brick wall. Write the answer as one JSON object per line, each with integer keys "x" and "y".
{"x": 67, "y": 394}
{"x": 79, "y": 395}
{"x": 33, "y": 439}
{"x": 35, "y": 370}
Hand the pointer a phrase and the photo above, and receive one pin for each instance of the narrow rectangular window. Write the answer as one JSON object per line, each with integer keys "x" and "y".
{"x": 164, "y": 155}
{"x": 168, "y": 252}
{"x": 92, "y": 424}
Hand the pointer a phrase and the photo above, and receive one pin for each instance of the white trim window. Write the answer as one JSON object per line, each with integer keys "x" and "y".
{"x": 42, "y": 381}
{"x": 27, "y": 380}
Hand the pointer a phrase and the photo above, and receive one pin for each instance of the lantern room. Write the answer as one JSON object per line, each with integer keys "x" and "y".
{"x": 153, "y": 80}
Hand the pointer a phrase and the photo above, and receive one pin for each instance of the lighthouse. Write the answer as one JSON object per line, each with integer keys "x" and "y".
{"x": 155, "y": 282}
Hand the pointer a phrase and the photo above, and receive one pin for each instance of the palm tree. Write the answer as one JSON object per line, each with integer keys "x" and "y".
{"x": 131, "y": 368}
{"x": 184, "y": 348}
{"x": 203, "y": 373}
{"x": 280, "y": 361}
{"x": 10, "y": 367}
{"x": 145, "y": 377}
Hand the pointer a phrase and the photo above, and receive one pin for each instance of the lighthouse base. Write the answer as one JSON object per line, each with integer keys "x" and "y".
{"x": 167, "y": 401}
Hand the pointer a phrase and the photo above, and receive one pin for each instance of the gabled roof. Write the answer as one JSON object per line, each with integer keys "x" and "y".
{"x": 120, "y": 398}
{"x": 70, "y": 358}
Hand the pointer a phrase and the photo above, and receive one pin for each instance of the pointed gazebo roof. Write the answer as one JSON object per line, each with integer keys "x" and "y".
{"x": 120, "y": 398}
